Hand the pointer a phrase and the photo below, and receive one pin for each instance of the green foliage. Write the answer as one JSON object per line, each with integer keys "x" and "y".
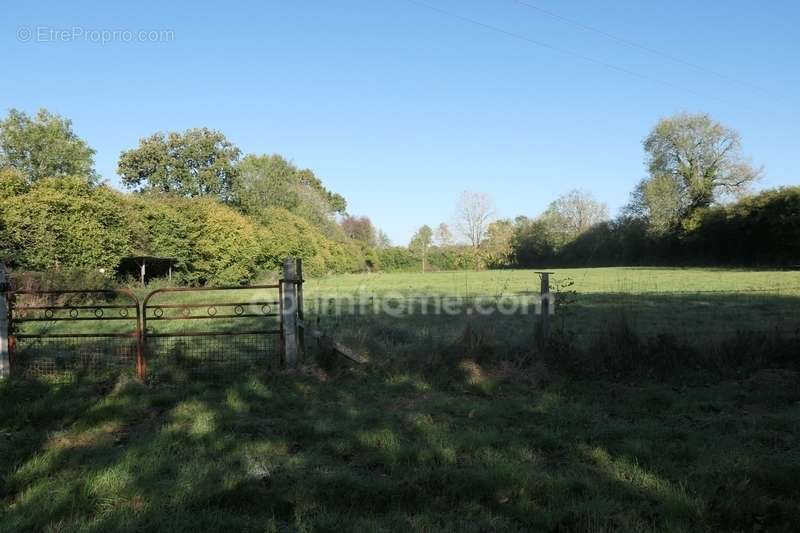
{"x": 65, "y": 223}
{"x": 401, "y": 259}
{"x": 197, "y": 162}
{"x": 227, "y": 246}
{"x": 497, "y": 250}
{"x": 700, "y": 157}
{"x": 43, "y": 146}
{"x": 12, "y": 182}
{"x": 421, "y": 242}
{"x": 268, "y": 181}
{"x": 286, "y": 234}
{"x": 760, "y": 230}
{"x": 161, "y": 227}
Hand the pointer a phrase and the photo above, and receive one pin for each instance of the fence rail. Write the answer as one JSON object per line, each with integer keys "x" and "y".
{"x": 69, "y": 333}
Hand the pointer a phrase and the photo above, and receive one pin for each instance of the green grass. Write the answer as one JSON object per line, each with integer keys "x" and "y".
{"x": 424, "y": 439}
{"x": 628, "y": 280}
{"x": 400, "y": 451}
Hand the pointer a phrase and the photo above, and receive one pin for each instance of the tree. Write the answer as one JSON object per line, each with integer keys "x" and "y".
{"x": 383, "y": 240}
{"x": 44, "y": 146}
{"x": 660, "y": 202}
{"x": 267, "y": 181}
{"x": 359, "y": 229}
{"x": 474, "y": 212}
{"x": 421, "y": 241}
{"x": 197, "y": 162}
{"x": 701, "y": 157}
{"x": 574, "y": 213}
{"x": 443, "y": 236}
{"x": 65, "y": 222}
{"x": 498, "y": 247}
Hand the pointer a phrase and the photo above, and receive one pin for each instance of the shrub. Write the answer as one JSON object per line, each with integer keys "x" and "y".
{"x": 227, "y": 247}
{"x": 65, "y": 223}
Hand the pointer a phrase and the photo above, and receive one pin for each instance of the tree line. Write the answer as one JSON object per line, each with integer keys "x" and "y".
{"x": 695, "y": 207}
{"x": 227, "y": 217}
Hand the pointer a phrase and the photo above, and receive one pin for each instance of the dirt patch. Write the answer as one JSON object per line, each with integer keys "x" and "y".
{"x": 474, "y": 374}
{"x": 103, "y": 436}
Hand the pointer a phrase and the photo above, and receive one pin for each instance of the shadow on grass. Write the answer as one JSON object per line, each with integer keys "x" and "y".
{"x": 396, "y": 451}
{"x": 408, "y": 443}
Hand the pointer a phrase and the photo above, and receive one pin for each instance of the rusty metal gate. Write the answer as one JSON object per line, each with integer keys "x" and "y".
{"x": 61, "y": 335}
{"x": 211, "y": 332}
{"x": 174, "y": 333}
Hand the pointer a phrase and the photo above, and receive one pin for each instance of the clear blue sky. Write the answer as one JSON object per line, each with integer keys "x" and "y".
{"x": 400, "y": 107}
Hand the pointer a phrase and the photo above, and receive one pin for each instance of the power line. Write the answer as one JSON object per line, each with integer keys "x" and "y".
{"x": 560, "y": 50}
{"x": 635, "y": 45}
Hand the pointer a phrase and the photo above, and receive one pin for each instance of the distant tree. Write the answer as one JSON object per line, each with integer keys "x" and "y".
{"x": 660, "y": 202}
{"x": 197, "y": 162}
{"x": 697, "y": 161}
{"x": 443, "y": 236}
{"x": 574, "y": 213}
{"x": 533, "y": 243}
{"x": 498, "y": 248}
{"x": 421, "y": 242}
{"x": 44, "y": 146}
{"x": 266, "y": 181}
{"x": 359, "y": 229}
{"x": 382, "y": 240}
{"x": 474, "y": 212}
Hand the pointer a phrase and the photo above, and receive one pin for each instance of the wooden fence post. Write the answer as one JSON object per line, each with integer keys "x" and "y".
{"x": 289, "y": 307}
{"x": 5, "y": 358}
{"x": 544, "y": 314}
{"x": 301, "y": 323}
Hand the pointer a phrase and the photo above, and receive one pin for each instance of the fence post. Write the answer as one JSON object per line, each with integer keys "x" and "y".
{"x": 301, "y": 323}
{"x": 544, "y": 314}
{"x": 5, "y": 358}
{"x": 289, "y": 308}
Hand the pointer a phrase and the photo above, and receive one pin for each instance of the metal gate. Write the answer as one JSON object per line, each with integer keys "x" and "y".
{"x": 61, "y": 335}
{"x": 211, "y": 332}
{"x": 174, "y": 333}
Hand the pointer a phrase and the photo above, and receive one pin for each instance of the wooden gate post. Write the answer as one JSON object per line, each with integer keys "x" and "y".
{"x": 5, "y": 358}
{"x": 289, "y": 310}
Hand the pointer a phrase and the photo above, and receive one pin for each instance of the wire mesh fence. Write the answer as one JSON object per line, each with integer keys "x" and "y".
{"x": 211, "y": 358}
{"x": 63, "y": 360}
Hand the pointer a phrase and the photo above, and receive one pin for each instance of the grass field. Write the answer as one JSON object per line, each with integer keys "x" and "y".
{"x": 457, "y": 424}
{"x": 629, "y": 280}
{"x": 374, "y": 451}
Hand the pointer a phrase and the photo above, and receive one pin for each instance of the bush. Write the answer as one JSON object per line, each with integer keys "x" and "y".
{"x": 227, "y": 248}
{"x": 65, "y": 223}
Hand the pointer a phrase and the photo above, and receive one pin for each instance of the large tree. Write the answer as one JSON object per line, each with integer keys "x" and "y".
{"x": 696, "y": 161}
{"x": 44, "y": 146}
{"x": 474, "y": 212}
{"x": 267, "y": 181}
{"x": 421, "y": 242}
{"x": 197, "y": 162}
{"x": 573, "y": 213}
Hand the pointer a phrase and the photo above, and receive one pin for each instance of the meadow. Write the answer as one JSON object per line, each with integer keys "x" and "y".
{"x": 458, "y": 423}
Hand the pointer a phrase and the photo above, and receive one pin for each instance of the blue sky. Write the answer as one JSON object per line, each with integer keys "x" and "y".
{"x": 400, "y": 107}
